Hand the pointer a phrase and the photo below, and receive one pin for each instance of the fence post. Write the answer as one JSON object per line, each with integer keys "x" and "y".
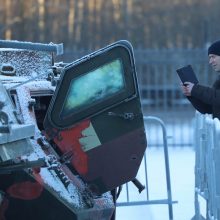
{"x": 207, "y": 166}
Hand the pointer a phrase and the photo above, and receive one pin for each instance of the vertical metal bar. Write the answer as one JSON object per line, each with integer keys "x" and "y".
{"x": 146, "y": 176}
{"x": 164, "y": 84}
{"x": 127, "y": 192}
{"x": 167, "y": 168}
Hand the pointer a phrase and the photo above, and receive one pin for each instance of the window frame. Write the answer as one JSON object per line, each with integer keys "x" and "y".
{"x": 122, "y": 51}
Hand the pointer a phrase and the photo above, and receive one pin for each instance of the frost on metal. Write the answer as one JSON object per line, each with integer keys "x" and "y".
{"x": 25, "y": 91}
{"x": 51, "y": 47}
{"x": 26, "y": 62}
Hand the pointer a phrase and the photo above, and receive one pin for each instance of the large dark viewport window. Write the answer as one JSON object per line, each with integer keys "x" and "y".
{"x": 93, "y": 87}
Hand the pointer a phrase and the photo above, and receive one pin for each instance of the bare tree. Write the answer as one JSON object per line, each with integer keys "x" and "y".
{"x": 91, "y": 24}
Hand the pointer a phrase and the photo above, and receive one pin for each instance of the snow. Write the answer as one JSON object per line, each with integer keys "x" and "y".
{"x": 48, "y": 176}
{"x": 26, "y": 63}
{"x": 71, "y": 195}
{"x": 181, "y": 161}
{"x": 182, "y": 185}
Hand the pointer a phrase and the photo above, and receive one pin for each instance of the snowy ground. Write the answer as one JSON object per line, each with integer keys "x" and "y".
{"x": 181, "y": 161}
{"x": 182, "y": 185}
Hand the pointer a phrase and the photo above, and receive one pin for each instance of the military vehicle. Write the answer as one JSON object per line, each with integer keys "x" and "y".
{"x": 70, "y": 133}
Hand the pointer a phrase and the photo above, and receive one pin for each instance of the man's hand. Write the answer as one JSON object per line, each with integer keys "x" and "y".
{"x": 187, "y": 88}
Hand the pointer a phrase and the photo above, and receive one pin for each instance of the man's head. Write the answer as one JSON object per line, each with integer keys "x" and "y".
{"x": 214, "y": 55}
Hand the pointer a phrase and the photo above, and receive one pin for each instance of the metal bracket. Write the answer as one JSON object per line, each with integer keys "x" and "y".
{"x": 125, "y": 115}
{"x": 17, "y": 132}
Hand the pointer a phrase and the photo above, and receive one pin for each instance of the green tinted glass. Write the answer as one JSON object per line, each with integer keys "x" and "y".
{"x": 93, "y": 87}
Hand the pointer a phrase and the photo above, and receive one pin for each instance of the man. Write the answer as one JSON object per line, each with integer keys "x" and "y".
{"x": 206, "y": 99}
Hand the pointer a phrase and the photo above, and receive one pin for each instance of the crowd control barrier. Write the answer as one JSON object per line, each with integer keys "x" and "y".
{"x": 207, "y": 167}
{"x": 130, "y": 201}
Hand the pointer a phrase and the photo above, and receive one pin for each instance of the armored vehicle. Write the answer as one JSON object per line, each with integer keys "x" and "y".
{"x": 70, "y": 133}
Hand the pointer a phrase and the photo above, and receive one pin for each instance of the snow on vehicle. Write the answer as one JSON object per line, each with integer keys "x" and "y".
{"x": 70, "y": 134}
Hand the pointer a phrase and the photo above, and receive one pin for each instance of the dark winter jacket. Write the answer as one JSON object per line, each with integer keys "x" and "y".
{"x": 206, "y": 99}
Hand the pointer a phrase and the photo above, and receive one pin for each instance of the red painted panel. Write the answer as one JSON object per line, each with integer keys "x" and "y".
{"x": 25, "y": 190}
{"x": 68, "y": 141}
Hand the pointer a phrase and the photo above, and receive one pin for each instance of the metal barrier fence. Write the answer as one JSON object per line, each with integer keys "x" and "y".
{"x": 178, "y": 125}
{"x": 130, "y": 200}
{"x": 158, "y": 80}
{"x": 160, "y": 89}
{"x": 207, "y": 166}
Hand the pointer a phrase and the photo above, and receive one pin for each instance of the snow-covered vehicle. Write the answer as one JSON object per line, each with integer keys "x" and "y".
{"x": 70, "y": 134}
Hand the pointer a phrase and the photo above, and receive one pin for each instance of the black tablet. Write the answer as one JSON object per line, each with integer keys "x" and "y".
{"x": 187, "y": 74}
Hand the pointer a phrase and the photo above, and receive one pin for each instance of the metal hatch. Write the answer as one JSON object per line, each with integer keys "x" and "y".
{"x": 95, "y": 115}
